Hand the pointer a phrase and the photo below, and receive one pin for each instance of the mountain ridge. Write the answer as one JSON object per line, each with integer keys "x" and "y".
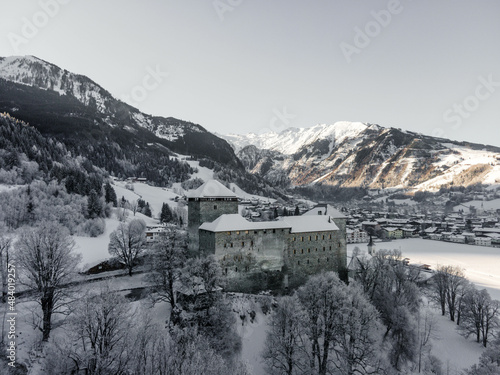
{"x": 353, "y": 154}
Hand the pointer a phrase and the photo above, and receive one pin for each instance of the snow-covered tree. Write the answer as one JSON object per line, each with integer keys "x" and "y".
{"x": 284, "y": 350}
{"x": 127, "y": 242}
{"x": 167, "y": 259}
{"x": 45, "y": 257}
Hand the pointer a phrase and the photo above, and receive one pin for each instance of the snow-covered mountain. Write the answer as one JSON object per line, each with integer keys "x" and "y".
{"x": 291, "y": 140}
{"x": 353, "y": 154}
{"x": 68, "y": 99}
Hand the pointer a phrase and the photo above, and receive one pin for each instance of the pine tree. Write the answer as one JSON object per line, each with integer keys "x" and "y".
{"x": 166, "y": 214}
{"x": 147, "y": 210}
{"x": 297, "y": 211}
{"x": 110, "y": 194}
{"x": 94, "y": 206}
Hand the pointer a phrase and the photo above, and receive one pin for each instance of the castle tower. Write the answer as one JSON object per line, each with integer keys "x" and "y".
{"x": 206, "y": 204}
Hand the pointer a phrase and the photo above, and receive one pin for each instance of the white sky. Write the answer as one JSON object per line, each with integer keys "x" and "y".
{"x": 236, "y": 69}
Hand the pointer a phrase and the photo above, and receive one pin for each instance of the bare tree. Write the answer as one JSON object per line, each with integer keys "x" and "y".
{"x": 167, "y": 259}
{"x": 133, "y": 206}
{"x": 284, "y": 349}
{"x": 45, "y": 256}
{"x": 356, "y": 335}
{"x": 98, "y": 339}
{"x": 127, "y": 242}
{"x": 449, "y": 283}
{"x": 480, "y": 315}
{"x": 322, "y": 298}
{"x": 425, "y": 328}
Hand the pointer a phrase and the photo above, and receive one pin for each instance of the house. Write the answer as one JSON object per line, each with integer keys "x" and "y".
{"x": 483, "y": 241}
{"x": 457, "y": 238}
{"x": 153, "y": 233}
{"x": 393, "y": 232}
{"x": 356, "y": 236}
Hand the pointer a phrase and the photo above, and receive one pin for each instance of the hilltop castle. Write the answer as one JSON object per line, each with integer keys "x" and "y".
{"x": 269, "y": 254}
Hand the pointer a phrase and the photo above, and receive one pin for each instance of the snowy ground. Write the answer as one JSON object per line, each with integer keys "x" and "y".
{"x": 95, "y": 249}
{"x": 494, "y": 204}
{"x": 479, "y": 262}
{"x": 154, "y": 195}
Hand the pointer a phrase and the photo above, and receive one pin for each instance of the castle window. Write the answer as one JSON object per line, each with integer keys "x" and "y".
{"x": 228, "y": 233}
{"x": 298, "y": 263}
{"x": 302, "y": 251}
{"x": 302, "y": 238}
{"x": 251, "y": 243}
{"x": 324, "y": 248}
{"x": 323, "y": 237}
{"x": 254, "y": 232}
{"x": 237, "y": 232}
{"x": 316, "y": 238}
{"x": 327, "y": 259}
{"x": 236, "y": 269}
{"x": 274, "y": 230}
{"x": 293, "y": 238}
{"x": 225, "y": 245}
{"x": 246, "y": 232}
{"x": 294, "y": 252}
{"x": 215, "y": 206}
{"x": 330, "y": 247}
{"x": 316, "y": 249}
{"x": 308, "y": 250}
{"x": 264, "y": 231}
{"x": 339, "y": 244}
{"x": 308, "y": 261}
{"x": 231, "y": 244}
{"x": 225, "y": 271}
{"x": 242, "y": 244}
{"x": 318, "y": 260}
{"x": 330, "y": 237}
{"x": 309, "y": 238}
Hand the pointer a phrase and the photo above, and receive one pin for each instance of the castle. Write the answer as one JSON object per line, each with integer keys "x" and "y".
{"x": 264, "y": 255}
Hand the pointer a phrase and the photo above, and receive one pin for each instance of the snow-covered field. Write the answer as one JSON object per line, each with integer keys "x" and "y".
{"x": 154, "y": 195}
{"x": 494, "y": 204}
{"x": 481, "y": 263}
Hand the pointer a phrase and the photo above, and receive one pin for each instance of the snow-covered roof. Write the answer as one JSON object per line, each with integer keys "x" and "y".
{"x": 232, "y": 222}
{"x": 296, "y": 224}
{"x": 212, "y": 189}
{"x": 311, "y": 223}
{"x": 326, "y": 209}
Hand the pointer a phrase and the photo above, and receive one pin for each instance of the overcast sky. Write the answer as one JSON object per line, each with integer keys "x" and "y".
{"x": 253, "y": 65}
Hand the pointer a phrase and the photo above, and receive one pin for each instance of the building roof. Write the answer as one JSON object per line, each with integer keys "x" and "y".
{"x": 311, "y": 223}
{"x": 296, "y": 224}
{"x": 232, "y": 222}
{"x": 212, "y": 189}
{"x": 326, "y": 209}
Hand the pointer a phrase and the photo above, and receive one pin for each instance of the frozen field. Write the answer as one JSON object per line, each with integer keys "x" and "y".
{"x": 481, "y": 264}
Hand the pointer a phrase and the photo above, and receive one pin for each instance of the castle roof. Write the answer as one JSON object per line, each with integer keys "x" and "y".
{"x": 212, "y": 189}
{"x": 326, "y": 209}
{"x": 296, "y": 224}
{"x": 232, "y": 222}
{"x": 308, "y": 223}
